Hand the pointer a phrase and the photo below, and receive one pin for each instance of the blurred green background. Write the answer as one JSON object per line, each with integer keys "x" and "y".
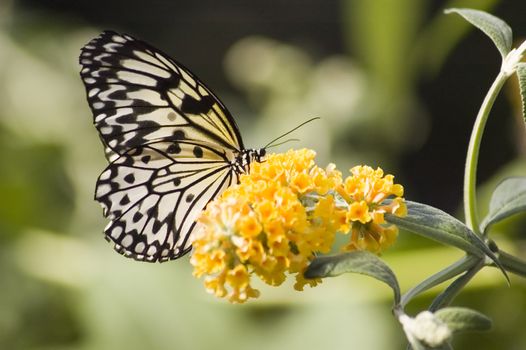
{"x": 397, "y": 85}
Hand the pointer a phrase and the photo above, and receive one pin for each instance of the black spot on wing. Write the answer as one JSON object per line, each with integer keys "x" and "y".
{"x": 198, "y": 152}
{"x": 142, "y": 106}
{"x": 137, "y": 216}
{"x": 174, "y": 148}
{"x": 125, "y": 200}
{"x": 130, "y": 178}
{"x": 192, "y": 106}
{"x": 153, "y": 211}
{"x": 119, "y": 95}
{"x": 178, "y": 135}
{"x": 156, "y": 226}
{"x": 168, "y": 83}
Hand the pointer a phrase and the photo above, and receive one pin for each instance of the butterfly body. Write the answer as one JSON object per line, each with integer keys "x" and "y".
{"x": 172, "y": 145}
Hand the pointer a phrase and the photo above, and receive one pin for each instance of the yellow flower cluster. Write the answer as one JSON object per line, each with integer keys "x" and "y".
{"x": 282, "y": 213}
{"x": 366, "y": 191}
{"x": 262, "y": 227}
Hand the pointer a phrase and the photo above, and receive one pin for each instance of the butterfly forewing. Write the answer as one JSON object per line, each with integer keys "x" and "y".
{"x": 138, "y": 94}
{"x": 172, "y": 145}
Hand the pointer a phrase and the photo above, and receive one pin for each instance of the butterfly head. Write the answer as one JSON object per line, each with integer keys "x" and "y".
{"x": 247, "y": 156}
{"x": 258, "y": 154}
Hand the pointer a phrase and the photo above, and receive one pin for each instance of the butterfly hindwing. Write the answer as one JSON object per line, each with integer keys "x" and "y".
{"x": 154, "y": 197}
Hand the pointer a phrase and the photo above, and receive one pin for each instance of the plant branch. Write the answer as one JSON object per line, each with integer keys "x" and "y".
{"x": 512, "y": 263}
{"x": 458, "y": 267}
{"x": 470, "y": 173}
{"x": 447, "y": 296}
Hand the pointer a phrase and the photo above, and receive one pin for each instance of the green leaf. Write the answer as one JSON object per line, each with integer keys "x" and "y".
{"x": 497, "y": 30}
{"x": 437, "y": 225}
{"x": 460, "y": 266}
{"x": 461, "y": 319}
{"x": 446, "y": 297}
{"x": 508, "y": 198}
{"x": 521, "y": 74}
{"x": 440, "y": 36}
{"x": 361, "y": 262}
{"x": 512, "y": 263}
{"x": 433, "y": 223}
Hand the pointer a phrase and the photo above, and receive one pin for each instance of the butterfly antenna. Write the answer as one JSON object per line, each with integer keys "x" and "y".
{"x": 270, "y": 144}
{"x": 283, "y": 142}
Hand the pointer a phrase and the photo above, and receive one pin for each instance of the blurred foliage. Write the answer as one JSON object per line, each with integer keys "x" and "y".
{"x": 35, "y": 314}
{"x": 64, "y": 287}
{"x": 39, "y": 192}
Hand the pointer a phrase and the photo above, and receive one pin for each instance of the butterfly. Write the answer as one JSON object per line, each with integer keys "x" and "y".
{"x": 171, "y": 144}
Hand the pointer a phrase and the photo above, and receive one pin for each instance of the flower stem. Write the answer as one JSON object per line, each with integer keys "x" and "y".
{"x": 470, "y": 173}
{"x": 458, "y": 267}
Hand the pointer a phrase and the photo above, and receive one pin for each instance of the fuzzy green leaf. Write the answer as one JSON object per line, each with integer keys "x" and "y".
{"x": 437, "y": 225}
{"x": 521, "y": 74}
{"x": 460, "y": 319}
{"x": 495, "y": 28}
{"x": 360, "y": 262}
{"x": 512, "y": 263}
{"x": 433, "y": 223}
{"x": 508, "y": 198}
{"x": 460, "y": 266}
{"x": 447, "y": 295}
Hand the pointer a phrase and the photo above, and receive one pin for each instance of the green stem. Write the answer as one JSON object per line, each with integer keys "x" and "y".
{"x": 446, "y": 297}
{"x": 458, "y": 267}
{"x": 470, "y": 173}
{"x": 512, "y": 263}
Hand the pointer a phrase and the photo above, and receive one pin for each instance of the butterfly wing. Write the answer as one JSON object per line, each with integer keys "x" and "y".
{"x": 154, "y": 199}
{"x": 170, "y": 142}
{"x": 138, "y": 94}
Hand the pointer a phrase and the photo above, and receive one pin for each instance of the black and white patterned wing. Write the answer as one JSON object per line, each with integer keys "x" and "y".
{"x": 154, "y": 199}
{"x": 138, "y": 95}
{"x": 171, "y": 143}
